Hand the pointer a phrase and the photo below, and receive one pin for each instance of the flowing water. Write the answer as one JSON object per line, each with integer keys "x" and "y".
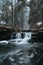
{"x": 19, "y": 51}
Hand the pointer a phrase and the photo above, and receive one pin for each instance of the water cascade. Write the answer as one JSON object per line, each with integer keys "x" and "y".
{"x": 27, "y": 35}
{"x": 18, "y": 36}
{"x": 20, "y": 40}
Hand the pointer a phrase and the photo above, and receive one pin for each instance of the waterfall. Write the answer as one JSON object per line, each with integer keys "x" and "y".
{"x": 21, "y": 38}
{"x": 27, "y": 35}
{"x": 18, "y": 36}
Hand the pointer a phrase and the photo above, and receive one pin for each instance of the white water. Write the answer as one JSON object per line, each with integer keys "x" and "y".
{"x": 27, "y": 35}
{"x": 19, "y": 40}
{"x": 18, "y": 36}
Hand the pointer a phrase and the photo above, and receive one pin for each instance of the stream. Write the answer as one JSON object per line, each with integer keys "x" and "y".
{"x": 20, "y": 51}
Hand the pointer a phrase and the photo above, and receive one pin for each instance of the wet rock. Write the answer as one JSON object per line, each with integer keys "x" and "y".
{"x": 6, "y": 62}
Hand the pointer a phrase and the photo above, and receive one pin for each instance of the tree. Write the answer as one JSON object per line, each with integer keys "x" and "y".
{"x": 6, "y": 12}
{"x": 36, "y": 13}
